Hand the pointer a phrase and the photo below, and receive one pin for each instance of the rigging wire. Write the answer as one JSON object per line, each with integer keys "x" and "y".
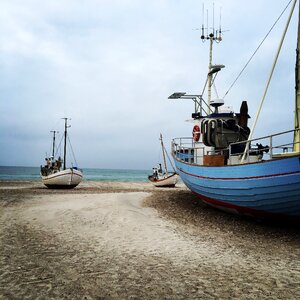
{"x": 58, "y": 148}
{"x": 268, "y": 82}
{"x": 169, "y": 159}
{"x": 239, "y": 75}
{"x": 72, "y": 151}
{"x": 53, "y": 128}
{"x": 159, "y": 154}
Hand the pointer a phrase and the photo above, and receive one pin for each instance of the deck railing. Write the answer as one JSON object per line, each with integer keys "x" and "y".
{"x": 267, "y": 147}
{"x": 187, "y": 150}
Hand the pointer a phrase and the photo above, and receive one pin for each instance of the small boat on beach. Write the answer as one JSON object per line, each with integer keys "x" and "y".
{"x": 160, "y": 178}
{"x": 55, "y": 174}
{"x": 229, "y": 169}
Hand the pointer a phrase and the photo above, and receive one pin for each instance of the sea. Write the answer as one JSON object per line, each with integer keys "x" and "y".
{"x": 33, "y": 174}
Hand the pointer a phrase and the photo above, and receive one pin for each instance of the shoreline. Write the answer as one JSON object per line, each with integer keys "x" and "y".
{"x": 132, "y": 240}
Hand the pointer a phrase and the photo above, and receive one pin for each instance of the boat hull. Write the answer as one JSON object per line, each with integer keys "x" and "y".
{"x": 65, "y": 179}
{"x": 270, "y": 189}
{"x": 169, "y": 181}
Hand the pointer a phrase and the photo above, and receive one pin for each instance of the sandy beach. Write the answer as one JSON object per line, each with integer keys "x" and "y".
{"x": 110, "y": 240}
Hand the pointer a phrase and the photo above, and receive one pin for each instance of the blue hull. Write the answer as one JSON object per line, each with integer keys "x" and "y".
{"x": 268, "y": 189}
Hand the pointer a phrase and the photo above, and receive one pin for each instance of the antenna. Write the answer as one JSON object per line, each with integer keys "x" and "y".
{"x": 207, "y": 22}
{"x": 212, "y": 36}
{"x": 213, "y": 17}
{"x": 220, "y": 22}
{"x": 215, "y": 36}
{"x": 202, "y": 29}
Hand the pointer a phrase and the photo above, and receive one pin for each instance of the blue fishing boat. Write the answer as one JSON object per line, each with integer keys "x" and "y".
{"x": 229, "y": 169}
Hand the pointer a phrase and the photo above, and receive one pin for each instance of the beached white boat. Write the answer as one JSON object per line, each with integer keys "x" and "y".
{"x": 55, "y": 174}
{"x": 164, "y": 180}
{"x": 68, "y": 178}
{"x": 160, "y": 178}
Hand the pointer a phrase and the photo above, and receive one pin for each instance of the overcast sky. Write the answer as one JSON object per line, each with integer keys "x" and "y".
{"x": 110, "y": 65}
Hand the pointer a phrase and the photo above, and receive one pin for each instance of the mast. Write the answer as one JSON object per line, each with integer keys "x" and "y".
{"x": 209, "y": 84}
{"x": 296, "y": 147}
{"x": 213, "y": 36}
{"x": 65, "y": 142}
{"x": 163, "y": 151}
{"x": 53, "y": 145}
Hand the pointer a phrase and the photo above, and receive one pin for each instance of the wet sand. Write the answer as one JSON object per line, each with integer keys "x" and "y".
{"x": 106, "y": 240}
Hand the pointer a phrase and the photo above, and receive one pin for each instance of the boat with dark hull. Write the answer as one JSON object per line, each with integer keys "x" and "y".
{"x": 55, "y": 174}
{"x": 226, "y": 168}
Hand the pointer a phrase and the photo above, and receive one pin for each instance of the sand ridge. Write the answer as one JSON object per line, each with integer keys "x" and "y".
{"x": 131, "y": 241}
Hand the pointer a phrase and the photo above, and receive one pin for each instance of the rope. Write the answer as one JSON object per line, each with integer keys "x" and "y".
{"x": 239, "y": 75}
{"x": 269, "y": 80}
{"x": 72, "y": 151}
{"x": 58, "y": 148}
{"x": 169, "y": 160}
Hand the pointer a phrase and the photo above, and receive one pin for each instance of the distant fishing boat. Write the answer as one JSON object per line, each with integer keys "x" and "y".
{"x": 160, "y": 178}
{"x": 55, "y": 174}
{"x": 228, "y": 169}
